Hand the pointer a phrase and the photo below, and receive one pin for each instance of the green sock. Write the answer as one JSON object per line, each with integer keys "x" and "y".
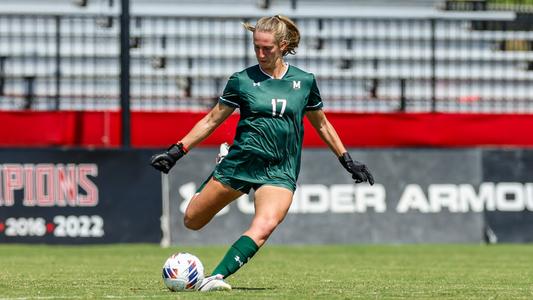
{"x": 238, "y": 254}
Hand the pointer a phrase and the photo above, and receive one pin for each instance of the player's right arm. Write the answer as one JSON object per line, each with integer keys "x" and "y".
{"x": 207, "y": 125}
{"x": 203, "y": 128}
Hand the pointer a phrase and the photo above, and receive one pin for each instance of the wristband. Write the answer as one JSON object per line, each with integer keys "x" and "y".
{"x": 176, "y": 151}
{"x": 183, "y": 147}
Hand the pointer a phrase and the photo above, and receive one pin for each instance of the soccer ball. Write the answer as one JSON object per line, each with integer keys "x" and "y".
{"x": 183, "y": 272}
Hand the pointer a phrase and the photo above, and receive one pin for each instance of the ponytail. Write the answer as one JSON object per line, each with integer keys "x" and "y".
{"x": 283, "y": 28}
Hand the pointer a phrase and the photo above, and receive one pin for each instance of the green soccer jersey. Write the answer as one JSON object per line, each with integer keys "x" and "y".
{"x": 268, "y": 142}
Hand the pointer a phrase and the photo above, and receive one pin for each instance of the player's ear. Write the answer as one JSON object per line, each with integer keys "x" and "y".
{"x": 283, "y": 45}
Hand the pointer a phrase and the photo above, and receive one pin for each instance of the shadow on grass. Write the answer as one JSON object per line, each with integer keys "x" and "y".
{"x": 251, "y": 288}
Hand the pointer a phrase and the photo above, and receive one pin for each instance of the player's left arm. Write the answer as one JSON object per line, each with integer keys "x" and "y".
{"x": 326, "y": 131}
{"x": 328, "y": 134}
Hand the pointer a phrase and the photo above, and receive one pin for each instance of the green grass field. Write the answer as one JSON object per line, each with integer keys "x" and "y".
{"x": 276, "y": 272}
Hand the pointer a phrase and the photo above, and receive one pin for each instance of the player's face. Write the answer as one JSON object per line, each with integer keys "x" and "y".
{"x": 267, "y": 50}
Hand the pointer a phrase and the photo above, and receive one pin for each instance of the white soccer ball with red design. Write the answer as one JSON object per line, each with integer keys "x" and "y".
{"x": 183, "y": 272}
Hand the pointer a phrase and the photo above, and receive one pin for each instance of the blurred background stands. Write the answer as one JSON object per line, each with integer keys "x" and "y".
{"x": 369, "y": 56}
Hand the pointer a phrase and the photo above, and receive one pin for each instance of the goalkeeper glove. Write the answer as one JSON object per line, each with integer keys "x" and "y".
{"x": 166, "y": 160}
{"x": 358, "y": 170}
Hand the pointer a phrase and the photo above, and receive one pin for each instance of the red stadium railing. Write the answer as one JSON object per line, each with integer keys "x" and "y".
{"x": 158, "y": 129}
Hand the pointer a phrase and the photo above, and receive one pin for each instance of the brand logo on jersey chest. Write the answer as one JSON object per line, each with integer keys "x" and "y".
{"x": 296, "y": 84}
{"x": 257, "y": 83}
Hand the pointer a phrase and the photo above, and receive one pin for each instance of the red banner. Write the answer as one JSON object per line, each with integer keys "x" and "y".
{"x": 158, "y": 129}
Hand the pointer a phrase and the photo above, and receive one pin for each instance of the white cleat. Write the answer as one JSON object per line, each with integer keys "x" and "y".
{"x": 223, "y": 151}
{"x": 214, "y": 283}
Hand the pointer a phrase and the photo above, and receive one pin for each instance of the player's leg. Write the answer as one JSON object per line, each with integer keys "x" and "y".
{"x": 206, "y": 204}
{"x": 271, "y": 206}
{"x": 195, "y": 217}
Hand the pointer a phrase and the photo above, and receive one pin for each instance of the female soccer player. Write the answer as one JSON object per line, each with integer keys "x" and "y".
{"x": 273, "y": 98}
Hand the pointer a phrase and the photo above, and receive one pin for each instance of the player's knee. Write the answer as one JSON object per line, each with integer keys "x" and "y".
{"x": 266, "y": 226}
{"x": 192, "y": 223}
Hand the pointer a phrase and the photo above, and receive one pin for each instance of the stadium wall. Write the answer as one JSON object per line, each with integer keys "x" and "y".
{"x": 459, "y": 195}
{"x": 75, "y": 196}
{"x": 420, "y": 196}
{"x": 361, "y": 130}
{"x": 515, "y": 167}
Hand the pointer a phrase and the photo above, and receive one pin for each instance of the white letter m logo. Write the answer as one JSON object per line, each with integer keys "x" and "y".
{"x": 296, "y": 84}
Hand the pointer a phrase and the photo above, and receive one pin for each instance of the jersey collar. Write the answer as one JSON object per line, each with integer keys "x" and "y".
{"x": 272, "y": 77}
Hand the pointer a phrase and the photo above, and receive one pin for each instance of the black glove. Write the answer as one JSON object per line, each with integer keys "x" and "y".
{"x": 166, "y": 160}
{"x": 358, "y": 170}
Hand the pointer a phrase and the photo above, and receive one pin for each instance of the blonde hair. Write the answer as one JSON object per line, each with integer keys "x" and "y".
{"x": 283, "y": 28}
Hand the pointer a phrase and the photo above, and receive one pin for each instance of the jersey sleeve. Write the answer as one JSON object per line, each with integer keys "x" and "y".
{"x": 314, "y": 101}
{"x": 231, "y": 96}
